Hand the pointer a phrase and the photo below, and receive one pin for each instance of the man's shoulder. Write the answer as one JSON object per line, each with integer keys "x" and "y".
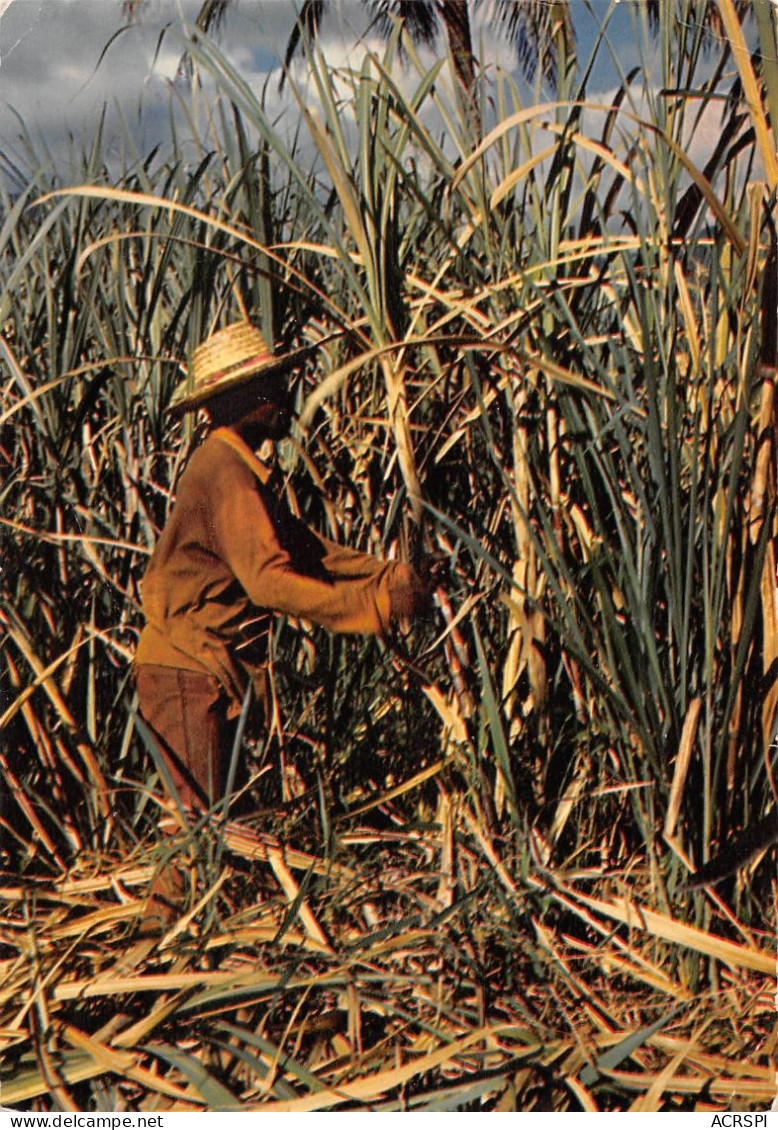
{"x": 214, "y": 465}
{"x": 214, "y": 455}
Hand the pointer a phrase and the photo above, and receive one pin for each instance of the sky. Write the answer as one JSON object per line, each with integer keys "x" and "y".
{"x": 62, "y": 61}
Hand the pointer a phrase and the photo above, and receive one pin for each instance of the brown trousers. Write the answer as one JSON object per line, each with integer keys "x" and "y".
{"x": 187, "y": 714}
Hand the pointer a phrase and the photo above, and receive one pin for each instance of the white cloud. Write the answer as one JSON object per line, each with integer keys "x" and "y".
{"x": 52, "y": 75}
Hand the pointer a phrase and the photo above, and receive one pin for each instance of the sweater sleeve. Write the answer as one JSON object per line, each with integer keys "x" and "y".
{"x": 408, "y": 594}
{"x": 285, "y": 567}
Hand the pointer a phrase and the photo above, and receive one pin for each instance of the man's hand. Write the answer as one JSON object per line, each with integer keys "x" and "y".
{"x": 434, "y": 569}
{"x": 411, "y": 595}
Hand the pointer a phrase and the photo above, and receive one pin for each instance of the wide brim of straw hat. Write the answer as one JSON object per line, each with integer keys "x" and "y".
{"x": 234, "y": 356}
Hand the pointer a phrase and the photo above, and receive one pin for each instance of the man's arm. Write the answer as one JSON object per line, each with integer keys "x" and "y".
{"x": 286, "y": 567}
{"x": 408, "y": 592}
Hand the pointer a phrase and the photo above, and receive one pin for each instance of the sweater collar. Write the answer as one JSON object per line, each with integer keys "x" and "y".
{"x": 233, "y": 440}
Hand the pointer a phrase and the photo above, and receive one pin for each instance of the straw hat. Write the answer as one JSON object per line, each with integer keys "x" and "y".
{"x": 229, "y": 358}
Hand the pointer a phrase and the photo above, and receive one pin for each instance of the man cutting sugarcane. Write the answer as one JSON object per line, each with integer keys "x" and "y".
{"x": 232, "y": 554}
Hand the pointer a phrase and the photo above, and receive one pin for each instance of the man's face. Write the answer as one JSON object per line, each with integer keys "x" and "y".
{"x": 266, "y": 411}
{"x": 259, "y": 411}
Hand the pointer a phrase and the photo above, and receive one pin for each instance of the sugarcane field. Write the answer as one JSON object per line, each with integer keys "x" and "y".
{"x": 388, "y": 583}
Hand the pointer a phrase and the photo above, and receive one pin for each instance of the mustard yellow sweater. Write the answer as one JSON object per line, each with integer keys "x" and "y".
{"x": 231, "y": 554}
